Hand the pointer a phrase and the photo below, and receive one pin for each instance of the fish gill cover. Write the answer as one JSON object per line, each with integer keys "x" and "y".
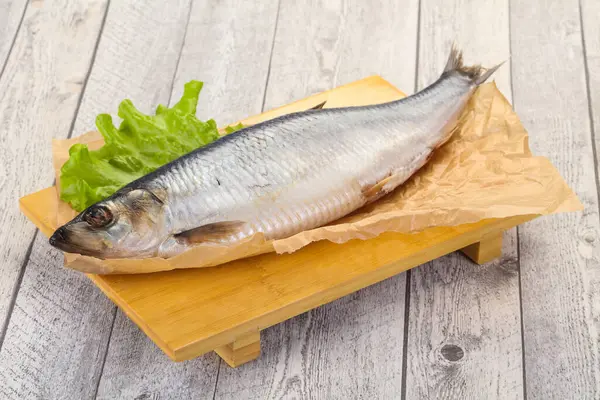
{"x": 141, "y": 144}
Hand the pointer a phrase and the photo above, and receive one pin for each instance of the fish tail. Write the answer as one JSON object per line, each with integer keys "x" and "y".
{"x": 476, "y": 73}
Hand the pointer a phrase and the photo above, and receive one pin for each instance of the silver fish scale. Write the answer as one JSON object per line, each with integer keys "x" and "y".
{"x": 304, "y": 170}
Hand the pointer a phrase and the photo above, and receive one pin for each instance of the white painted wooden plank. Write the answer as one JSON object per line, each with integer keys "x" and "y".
{"x": 11, "y": 13}
{"x": 227, "y": 45}
{"x": 351, "y": 348}
{"x": 560, "y": 258}
{"x": 137, "y": 369}
{"x": 137, "y": 58}
{"x": 464, "y": 336}
{"x": 39, "y": 94}
{"x": 590, "y": 15}
{"x": 464, "y": 329}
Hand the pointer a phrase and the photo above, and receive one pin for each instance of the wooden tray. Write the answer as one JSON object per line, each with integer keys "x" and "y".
{"x": 190, "y": 312}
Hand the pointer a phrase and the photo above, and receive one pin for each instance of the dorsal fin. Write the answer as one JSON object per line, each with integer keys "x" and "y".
{"x": 318, "y": 106}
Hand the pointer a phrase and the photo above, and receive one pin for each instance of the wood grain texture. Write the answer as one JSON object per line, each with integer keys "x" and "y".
{"x": 227, "y": 46}
{"x": 464, "y": 336}
{"x": 53, "y": 49}
{"x": 560, "y": 258}
{"x": 136, "y": 58}
{"x": 11, "y": 13}
{"x": 352, "y": 347}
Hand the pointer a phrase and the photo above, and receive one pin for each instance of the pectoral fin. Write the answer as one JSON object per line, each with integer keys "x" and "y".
{"x": 215, "y": 232}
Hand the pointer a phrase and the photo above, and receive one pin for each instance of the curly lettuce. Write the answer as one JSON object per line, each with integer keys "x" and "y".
{"x": 141, "y": 144}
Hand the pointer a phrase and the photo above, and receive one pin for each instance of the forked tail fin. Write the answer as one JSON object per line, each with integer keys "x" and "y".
{"x": 476, "y": 73}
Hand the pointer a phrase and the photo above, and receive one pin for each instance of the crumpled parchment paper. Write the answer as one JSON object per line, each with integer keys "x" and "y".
{"x": 485, "y": 171}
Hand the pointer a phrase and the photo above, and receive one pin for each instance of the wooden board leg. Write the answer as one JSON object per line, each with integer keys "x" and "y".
{"x": 245, "y": 348}
{"x": 486, "y": 250}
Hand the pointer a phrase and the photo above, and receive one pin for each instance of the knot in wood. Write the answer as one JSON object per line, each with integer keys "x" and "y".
{"x": 452, "y": 352}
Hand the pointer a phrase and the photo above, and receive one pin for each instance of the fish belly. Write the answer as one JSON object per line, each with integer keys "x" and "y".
{"x": 350, "y": 181}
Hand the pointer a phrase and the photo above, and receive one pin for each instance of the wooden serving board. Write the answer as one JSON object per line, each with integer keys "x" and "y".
{"x": 190, "y": 312}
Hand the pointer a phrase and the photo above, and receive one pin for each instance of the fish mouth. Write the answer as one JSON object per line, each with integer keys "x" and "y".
{"x": 60, "y": 240}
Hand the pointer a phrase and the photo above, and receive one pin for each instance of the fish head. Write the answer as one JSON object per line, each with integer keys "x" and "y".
{"x": 129, "y": 224}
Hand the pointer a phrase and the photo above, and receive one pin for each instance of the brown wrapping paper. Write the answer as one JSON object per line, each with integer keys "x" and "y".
{"x": 485, "y": 171}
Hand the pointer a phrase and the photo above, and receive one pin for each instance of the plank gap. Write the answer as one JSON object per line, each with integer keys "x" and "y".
{"x": 405, "y": 341}
{"x": 521, "y": 314}
{"x": 214, "y": 396}
{"x": 112, "y": 327}
{"x": 15, "y": 292}
{"x": 185, "y": 32}
{"x": 14, "y": 39}
{"x": 418, "y": 48}
{"x": 586, "y": 70}
{"x": 89, "y": 72}
{"x": 262, "y": 108}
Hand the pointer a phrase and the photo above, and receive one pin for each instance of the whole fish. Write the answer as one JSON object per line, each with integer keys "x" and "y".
{"x": 279, "y": 177}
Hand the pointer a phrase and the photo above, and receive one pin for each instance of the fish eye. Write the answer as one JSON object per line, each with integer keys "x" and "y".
{"x": 98, "y": 216}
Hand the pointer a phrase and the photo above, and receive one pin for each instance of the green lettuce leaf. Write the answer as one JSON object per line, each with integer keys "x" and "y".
{"x": 233, "y": 128}
{"x": 141, "y": 144}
